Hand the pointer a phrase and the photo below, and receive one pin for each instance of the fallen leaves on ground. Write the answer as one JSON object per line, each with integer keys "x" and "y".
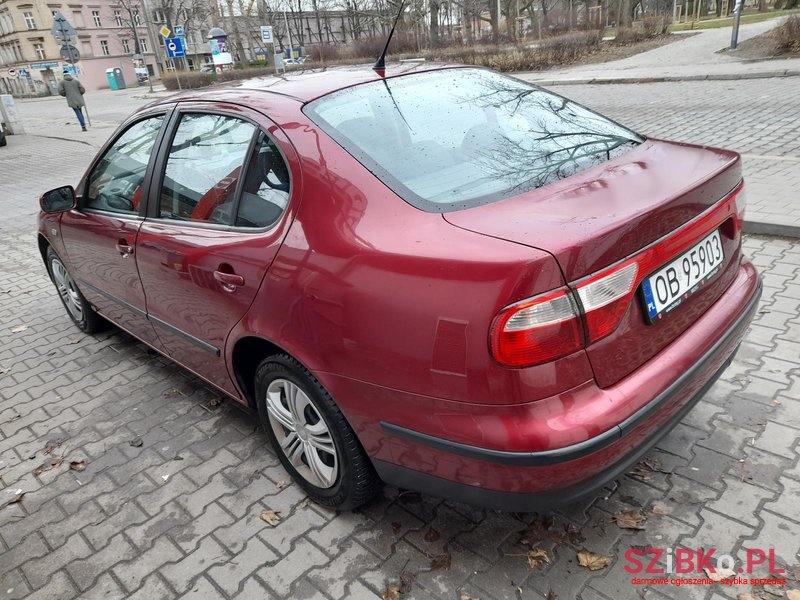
{"x": 466, "y": 597}
{"x": 796, "y": 572}
{"x": 73, "y": 342}
{"x": 537, "y": 557}
{"x": 17, "y": 498}
{"x": 396, "y": 527}
{"x": 281, "y": 484}
{"x": 173, "y": 393}
{"x": 19, "y": 329}
{"x": 51, "y": 445}
{"x": 51, "y": 463}
{"x": 78, "y": 465}
{"x": 773, "y": 590}
{"x": 4, "y": 370}
{"x": 659, "y": 510}
{"x": 592, "y": 560}
{"x": 544, "y": 528}
{"x": 441, "y": 562}
{"x": 391, "y": 593}
{"x": 551, "y": 595}
{"x": 719, "y": 574}
{"x": 271, "y": 517}
{"x": 630, "y": 519}
{"x": 645, "y": 468}
{"x": 747, "y": 597}
{"x": 793, "y": 594}
{"x": 214, "y": 402}
{"x": 407, "y": 578}
{"x": 136, "y": 442}
{"x": 431, "y": 535}
{"x": 410, "y": 496}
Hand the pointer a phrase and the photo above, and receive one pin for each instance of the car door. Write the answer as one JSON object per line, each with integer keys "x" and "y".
{"x": 216, "y": 217}
{"x": 100, "y": 234}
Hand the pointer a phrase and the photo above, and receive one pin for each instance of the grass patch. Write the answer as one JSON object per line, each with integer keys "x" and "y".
{"x": 715, "y": 23}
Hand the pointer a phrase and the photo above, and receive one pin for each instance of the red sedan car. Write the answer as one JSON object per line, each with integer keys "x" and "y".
{"x": 438, "y": 277}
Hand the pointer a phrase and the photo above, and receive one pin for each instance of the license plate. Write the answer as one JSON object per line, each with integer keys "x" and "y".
{"x": 683, "y": 276}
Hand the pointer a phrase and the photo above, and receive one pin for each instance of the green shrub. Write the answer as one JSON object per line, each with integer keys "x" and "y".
{"x": 787, "y": 36}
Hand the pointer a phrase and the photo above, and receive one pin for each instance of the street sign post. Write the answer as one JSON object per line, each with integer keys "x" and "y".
{"x": 266, "y": 34}
{"x": 65, "y": 36}
{"x": 180, "y": 32}
{"x": 175, "y": 47}
{"x": 12, "y": 72}
{"x": 70, "y": 53}
{"x": 165, "y": 32}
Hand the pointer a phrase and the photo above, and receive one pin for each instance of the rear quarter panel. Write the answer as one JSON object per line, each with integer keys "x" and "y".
{"x": 367, "y": 287}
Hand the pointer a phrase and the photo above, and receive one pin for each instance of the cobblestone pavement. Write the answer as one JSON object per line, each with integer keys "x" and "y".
{"x": 178, "y": 516}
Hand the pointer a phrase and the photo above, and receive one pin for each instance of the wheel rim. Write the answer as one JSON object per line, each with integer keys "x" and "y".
{"x": 302, "y": 433}
{"x": 67, "y": 290}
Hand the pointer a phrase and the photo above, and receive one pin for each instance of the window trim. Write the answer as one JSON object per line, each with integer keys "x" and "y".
{"x": 154, "y": 200}
{"x": 166, "y": 112}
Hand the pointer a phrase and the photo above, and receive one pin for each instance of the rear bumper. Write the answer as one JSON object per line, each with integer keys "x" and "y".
{"x": 533, "y": 480}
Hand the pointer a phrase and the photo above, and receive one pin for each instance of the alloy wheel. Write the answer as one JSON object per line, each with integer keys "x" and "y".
{"x": 302, "y": 433}
{"x": 67, "y": 290}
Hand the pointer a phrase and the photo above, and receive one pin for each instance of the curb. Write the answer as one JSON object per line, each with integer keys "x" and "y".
{"x": 669, "y": 78}
{"x": 774, "y": 229}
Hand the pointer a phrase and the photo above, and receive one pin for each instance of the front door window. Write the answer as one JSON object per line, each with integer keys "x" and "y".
{"x": 115, "y": 184}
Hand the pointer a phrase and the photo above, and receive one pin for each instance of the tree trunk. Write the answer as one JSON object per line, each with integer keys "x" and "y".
{"x": 625, "y": 17}
{"x": 433, "y": 8}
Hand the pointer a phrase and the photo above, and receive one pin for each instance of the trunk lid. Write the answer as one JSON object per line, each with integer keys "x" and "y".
{"x": 611, "y": 212}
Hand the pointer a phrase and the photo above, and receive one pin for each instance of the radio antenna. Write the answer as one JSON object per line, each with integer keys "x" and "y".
{"x": 380, "y": 64}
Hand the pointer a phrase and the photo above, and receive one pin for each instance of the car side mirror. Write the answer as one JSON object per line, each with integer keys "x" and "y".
{"x": 58, "y": 200}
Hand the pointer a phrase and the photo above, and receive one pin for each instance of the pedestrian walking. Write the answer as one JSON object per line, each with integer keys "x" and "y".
{"x": 73, "y": 91}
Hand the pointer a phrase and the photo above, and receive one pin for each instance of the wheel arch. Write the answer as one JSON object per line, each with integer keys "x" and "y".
{"x": 247, "y": 354}
{"x": 43, "y": 244}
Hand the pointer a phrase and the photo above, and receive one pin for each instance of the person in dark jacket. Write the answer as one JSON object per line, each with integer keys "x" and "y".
{"x": 73, "y": 91}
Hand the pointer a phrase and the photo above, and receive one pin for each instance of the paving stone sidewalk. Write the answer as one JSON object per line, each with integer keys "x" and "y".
{"x": 178, "y": 515}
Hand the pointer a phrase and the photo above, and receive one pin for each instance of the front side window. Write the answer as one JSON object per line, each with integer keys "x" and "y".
{"x": 115, "y": 184}
{"x": 451, "y": 139}
{"x": 203, "y": 168}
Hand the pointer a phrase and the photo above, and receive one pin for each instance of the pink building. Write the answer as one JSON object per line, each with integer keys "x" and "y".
{"x": 30, "y": 59}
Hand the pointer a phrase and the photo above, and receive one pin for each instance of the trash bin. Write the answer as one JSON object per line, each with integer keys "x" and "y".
{"x": 120, "y": 77}
{"x": 112, "y": 80}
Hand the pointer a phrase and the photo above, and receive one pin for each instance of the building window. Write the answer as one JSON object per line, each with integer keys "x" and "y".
{"x": 86, "y": 48}
{"x": 126, "y": 46}
{"x": 104, "y": 47}
{"x": 143, "y": 45}
{"x": 96, "y": 18}
{"x": 118, "y": 18}
{"x": 159, "y": 16}
{"x": 30, "y": 22}
{"x": 136, "y": 18}
{"x": 39, "y": 49}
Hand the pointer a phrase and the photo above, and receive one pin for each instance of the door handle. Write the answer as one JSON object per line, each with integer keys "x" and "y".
{"x": 124, "y": 248}
{"x": 229, "y": 281}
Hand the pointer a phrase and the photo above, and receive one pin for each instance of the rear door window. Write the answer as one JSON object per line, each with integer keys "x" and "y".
{"x": 455, "y": 138}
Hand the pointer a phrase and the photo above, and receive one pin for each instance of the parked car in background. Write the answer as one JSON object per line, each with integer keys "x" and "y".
{"x": 442, "y": 278}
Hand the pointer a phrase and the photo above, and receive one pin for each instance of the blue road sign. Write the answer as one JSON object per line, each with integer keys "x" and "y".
{"x": 175, "y": 47}
{"x": 179, "y": 32}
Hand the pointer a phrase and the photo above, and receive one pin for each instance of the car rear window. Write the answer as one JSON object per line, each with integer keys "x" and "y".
{"x": 457, "y": 138}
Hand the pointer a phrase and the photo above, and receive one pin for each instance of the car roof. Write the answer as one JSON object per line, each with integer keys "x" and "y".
{"x": 307, "y": 85}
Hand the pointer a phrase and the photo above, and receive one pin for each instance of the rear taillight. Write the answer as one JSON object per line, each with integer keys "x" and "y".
{"x": 560, "y": 322}
{"x": 537, "y": 330}
{"x": 605, "y": 297}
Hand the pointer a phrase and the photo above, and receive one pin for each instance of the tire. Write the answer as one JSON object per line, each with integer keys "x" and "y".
{"x": 340, "y": 476}
{"x": 78, "y": 309}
